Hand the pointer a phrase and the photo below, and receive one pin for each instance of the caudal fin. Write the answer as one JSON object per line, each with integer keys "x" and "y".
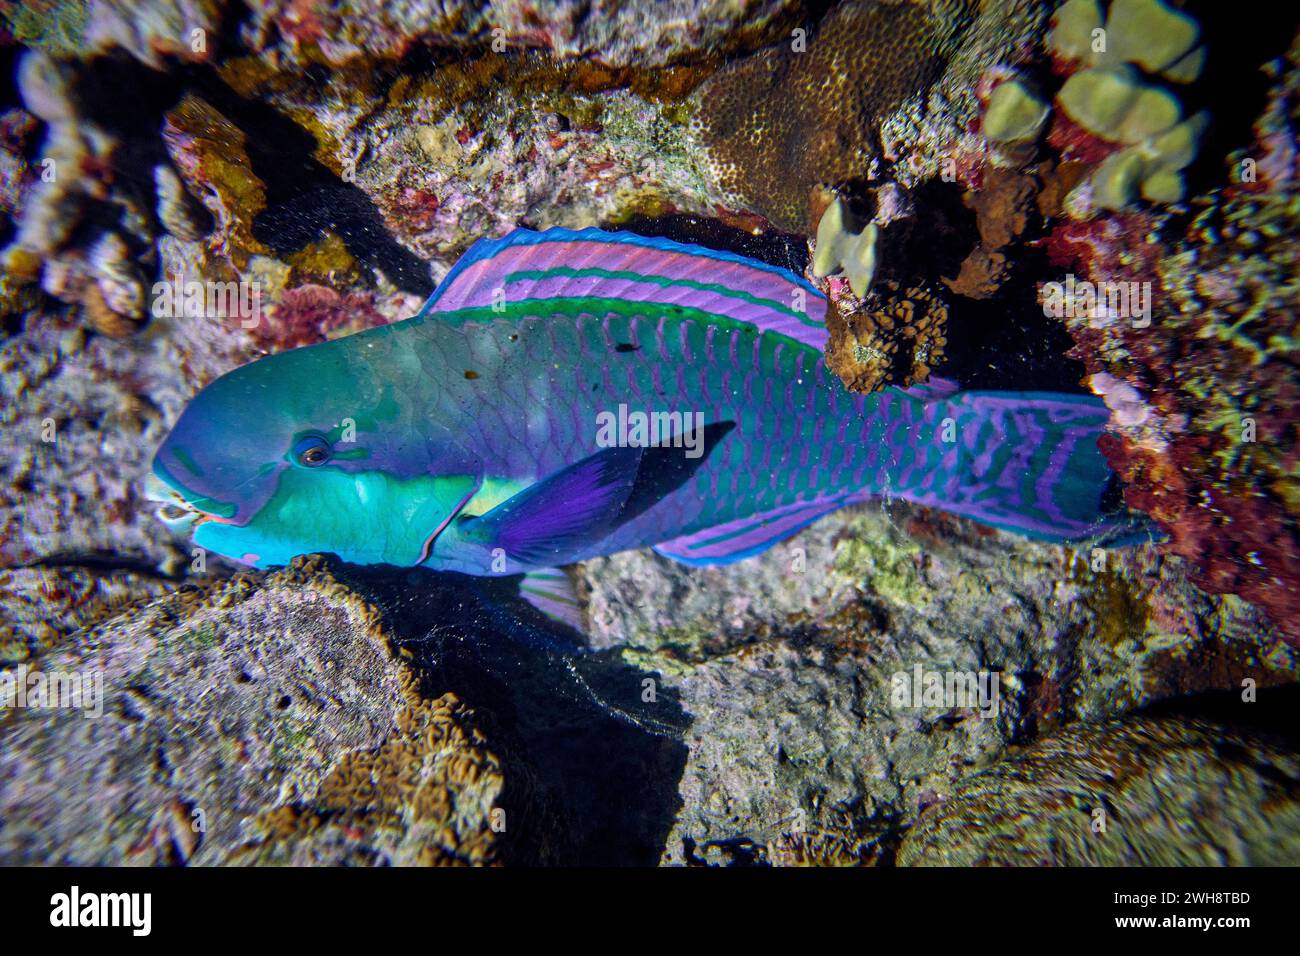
{"x": 1023, "y": 461}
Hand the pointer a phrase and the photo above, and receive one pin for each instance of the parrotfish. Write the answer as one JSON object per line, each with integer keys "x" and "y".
{"x": 567, "y": 394}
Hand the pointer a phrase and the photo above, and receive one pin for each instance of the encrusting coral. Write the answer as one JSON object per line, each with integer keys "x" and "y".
{"x": 772, "y": 126}
{"x": 1114, "y": 92}
{"x": 430, "y": 795}
{"x": 1105, "y": 795}
{"x": 897, "y": 339}
{"x": 282, "y": 698}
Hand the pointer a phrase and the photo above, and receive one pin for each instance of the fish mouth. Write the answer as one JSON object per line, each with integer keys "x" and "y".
{"x": 172, "y": 508}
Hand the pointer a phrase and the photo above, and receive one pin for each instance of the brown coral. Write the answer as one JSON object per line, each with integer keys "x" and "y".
{"x": 896, "y": 342}
{"x": 776, "y": 124}
{"x": 1004, "y": 208}
{"x": 213, "y": 160}
{"x": 432, "y": 794}
{"x": 1121, "y": 794}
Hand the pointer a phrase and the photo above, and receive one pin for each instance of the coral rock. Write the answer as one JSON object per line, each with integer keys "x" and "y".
{"x": 259, "y": 698}
{"x": 896, "y": 340}
{"x": 1147, "y": 792}
{"x": 774, "y": 125}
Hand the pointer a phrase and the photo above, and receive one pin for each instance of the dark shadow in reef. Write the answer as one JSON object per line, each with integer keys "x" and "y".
{"x": 616, "y": 776}
{"x": 774, "y": 248}
{"x": 1004, "y": 342}
{"x": 1232, "y": 86}
{"x": 1271, "y": 714}
{"x": 304, "y": 197}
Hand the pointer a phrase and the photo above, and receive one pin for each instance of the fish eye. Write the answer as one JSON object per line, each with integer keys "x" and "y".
{"x": 312, "y": 451}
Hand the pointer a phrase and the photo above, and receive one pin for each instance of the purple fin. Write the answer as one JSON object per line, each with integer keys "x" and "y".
{"x": 934, "y": 389}
{"x": 551, "y": 591}
{"x": 748, "y": 536}
{"x": 558, "y": 516}
{"x": 1023, "y": 461}
{"x": 591, "y": 263}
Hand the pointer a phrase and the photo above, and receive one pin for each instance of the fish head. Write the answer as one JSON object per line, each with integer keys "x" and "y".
{"x": 310, "y": 451}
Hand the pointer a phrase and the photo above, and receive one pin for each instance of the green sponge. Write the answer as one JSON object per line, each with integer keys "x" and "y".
{"x": 1115, "y": 104}
{"x": 1116, "y": 181}
{"x": 838, "y": 249}
{"x": 1072, "y": 28}
{"x": 1164, "y": 186}
{"x": 1149, "y": 33}
{"x": 1152, "y": 111}
{"x": 1178, "y": 147}
{"x": 1099, "y": 99}
{"x": 1015, "y": 114}
{"x": 1152, "y": 168}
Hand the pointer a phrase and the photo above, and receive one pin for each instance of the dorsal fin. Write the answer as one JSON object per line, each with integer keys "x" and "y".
{"x": 591, "y": 263}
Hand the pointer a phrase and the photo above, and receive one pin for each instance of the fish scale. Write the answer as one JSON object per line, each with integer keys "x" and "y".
{"x": 774, "y": 423}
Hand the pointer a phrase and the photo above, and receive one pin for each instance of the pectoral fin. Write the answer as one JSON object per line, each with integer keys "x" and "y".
{"x": 551, "y": 591}
{"x": 551, "y": 522}
{"x": 557, "y": 517}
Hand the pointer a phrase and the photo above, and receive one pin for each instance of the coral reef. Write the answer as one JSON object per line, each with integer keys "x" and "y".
{"x": 1140, "y": 792}
{"x": 1113, "y": 95}
{"x": 280, "y": 699}
{"x": 1004, "y": 206}
{"x": 1207, "y": 442}
{"x": 85, "y": 230}
{"x": 898, "y": 339}
{"x": 773, "y": 126}
{"x": 44, "y": 604}
{"x": 651, "y": 34}
{"x": 1205, "y": 426}
{"x": 433, "y": 794}
{"x": 799, "y": 753}
{"x": 84, "y": 413}
{"x": 151, "y": 31}
{"x": 947, "y": 161}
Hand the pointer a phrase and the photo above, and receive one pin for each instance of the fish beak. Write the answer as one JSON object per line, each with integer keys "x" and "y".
{"x": 173, "y": 510}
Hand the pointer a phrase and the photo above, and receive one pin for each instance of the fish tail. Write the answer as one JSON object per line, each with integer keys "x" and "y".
{"x": 1023, "y": 461}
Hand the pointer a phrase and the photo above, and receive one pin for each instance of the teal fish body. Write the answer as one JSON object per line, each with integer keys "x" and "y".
{"x": 571, "y": 394}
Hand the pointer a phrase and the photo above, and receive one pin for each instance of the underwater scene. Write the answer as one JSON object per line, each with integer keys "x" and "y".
{"x": 689, "y": 433}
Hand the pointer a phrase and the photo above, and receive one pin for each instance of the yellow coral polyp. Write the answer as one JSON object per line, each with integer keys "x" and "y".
{"x": 1015, "y": 114}
{"x": 1149, "y": 33}
{"x": 842, "y": 250}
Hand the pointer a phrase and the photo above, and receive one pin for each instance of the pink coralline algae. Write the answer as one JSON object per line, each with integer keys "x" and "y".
{"x": 314, "y": 313}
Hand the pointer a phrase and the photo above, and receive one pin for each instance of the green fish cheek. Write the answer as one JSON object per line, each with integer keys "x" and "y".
{"x": 363, "y": 517}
